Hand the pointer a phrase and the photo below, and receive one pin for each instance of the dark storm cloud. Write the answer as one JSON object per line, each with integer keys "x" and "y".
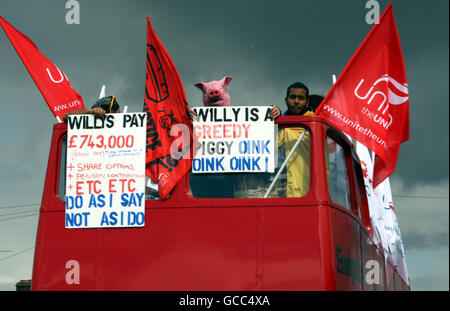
{"x": 262, "y": 45}
{"x": 436, "y": 282}
{"x": 414, "y": 239}
{"x": 423, "y": 221}
{"x": 266, "y": 46}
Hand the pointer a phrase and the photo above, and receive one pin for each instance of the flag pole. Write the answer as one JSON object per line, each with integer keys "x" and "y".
{"x": 284, "y": 163}
{"x": 102, "y": 92}
{"x": 348, "y": 136}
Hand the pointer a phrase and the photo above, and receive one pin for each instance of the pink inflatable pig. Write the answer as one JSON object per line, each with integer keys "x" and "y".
{"x": 215, "y": 93}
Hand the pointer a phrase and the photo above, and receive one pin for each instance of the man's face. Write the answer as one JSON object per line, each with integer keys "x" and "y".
{"x": 297, "y": 100}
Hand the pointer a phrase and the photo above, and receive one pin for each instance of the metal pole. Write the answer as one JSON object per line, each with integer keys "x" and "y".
{"x": 284, "y": 163}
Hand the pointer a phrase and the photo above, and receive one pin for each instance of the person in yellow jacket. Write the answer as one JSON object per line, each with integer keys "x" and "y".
{"x": 298, "y": 176}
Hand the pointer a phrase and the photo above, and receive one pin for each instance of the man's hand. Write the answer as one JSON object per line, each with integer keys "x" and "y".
{"x": 192, "y": 113}
{"x": 275, "y": 112}
{"x": 97, "y": 111}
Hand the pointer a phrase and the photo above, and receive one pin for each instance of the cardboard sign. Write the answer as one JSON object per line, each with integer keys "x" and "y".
{"x": 234, "y": 139}
{"x": 105, "y": 173}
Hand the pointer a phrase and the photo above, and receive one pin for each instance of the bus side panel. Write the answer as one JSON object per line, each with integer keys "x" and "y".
{"x": 368, "y": 263}
{"x": 64, "y": 259}
{"x": 181, "y": 249}
{"x": 398, "y": 282}
{"x": 178, "y": 249}
{"x": 349, "y": 274}
{"x": 292, "y": 253}
{"x": 386, "y": 282}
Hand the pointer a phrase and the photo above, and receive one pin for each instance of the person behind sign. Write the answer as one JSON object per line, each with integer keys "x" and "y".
{"x": 101, "y": 107}
{"x": 298, "y": 102}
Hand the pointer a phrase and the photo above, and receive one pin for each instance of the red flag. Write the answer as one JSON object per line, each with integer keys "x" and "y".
{"x": 51, "y": 81}
{"x": 370, "y": 99}
{"x": 167, "y": 110}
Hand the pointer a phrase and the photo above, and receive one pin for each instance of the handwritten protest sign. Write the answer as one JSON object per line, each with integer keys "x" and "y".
{"x": 234, "y": 139}
{"x": 105, "y": 173}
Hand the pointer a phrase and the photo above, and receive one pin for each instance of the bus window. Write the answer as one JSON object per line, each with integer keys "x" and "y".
{"x": 337, "y": 174}
{"x": 62, "y": 170}
{"x": 290, "y": 179}
{"x": 358, "y": 180}
{"x": 151, "y": 190}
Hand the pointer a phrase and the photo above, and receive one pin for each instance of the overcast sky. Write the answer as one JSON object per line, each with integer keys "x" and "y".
{"x": 264, "y": 46}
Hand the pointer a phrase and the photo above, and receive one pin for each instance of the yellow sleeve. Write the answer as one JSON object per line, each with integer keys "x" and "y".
{"x": 281, "y": 137}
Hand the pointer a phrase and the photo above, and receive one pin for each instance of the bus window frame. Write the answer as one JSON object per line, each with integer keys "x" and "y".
{"x": 362, "y": 218}
{"x": 338, "y": 139}
{"x": 361, "y": 188}
{"x": 58, "y": 165}
{"x": 311, "y": 165}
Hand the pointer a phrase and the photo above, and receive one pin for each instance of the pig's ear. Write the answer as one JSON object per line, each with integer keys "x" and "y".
{"x": 200, "y": 85}
{"x": 227, "y": 80}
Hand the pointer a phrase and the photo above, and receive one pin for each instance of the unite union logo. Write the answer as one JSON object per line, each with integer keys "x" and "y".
{"x": 62, "y": 75}
{"x": 397, "y": 95}
{"x": 162, "y": 179}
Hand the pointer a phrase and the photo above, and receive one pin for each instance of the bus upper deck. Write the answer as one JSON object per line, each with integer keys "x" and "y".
{"x": 305, "y": 228}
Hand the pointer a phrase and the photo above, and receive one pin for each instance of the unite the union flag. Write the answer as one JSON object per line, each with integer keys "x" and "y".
{"x": 51, "y": 81}
{"x": 169, "y": 127}
{"x": 370, "y": 101}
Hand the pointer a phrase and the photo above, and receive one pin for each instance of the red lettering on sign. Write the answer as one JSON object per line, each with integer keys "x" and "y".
{"x": 79, "y": 184}
{"x": 111, "y": 186}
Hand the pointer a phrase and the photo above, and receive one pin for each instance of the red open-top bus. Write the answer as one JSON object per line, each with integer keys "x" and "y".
{"x": 218, "y": 232}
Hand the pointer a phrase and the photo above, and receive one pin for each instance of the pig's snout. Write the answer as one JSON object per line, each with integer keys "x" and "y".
{"x": 214, "y": 93}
